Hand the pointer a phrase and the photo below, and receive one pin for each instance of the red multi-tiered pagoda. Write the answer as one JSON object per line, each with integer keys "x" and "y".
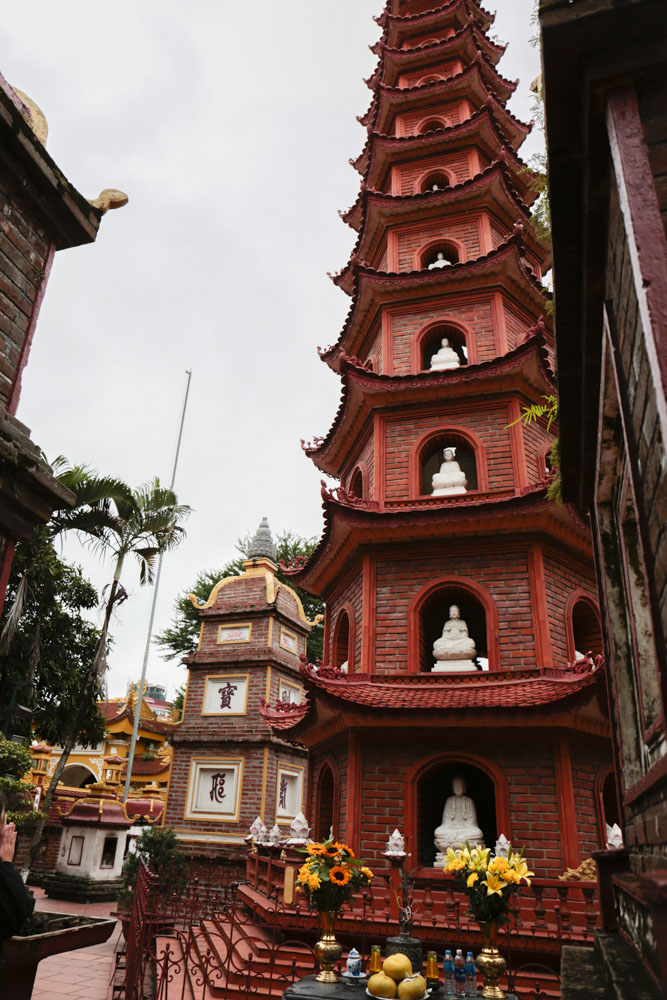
{"x": 442, "y": 501}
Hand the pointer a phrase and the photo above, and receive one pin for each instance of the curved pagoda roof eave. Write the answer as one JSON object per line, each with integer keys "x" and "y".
{"x": 493, "y": 51}
{"x": 505, "y": 366}
{"x": 388, "y": 19}
{"x": 356, "y": 521}
{"x": 481, "y": 126}
{"x": 500, "y": 85}
{"x": 389, "y": 101}
{"x": 497, "y": 691}
{"x": 477, "y": 187}
{"x": 511, "y": 251}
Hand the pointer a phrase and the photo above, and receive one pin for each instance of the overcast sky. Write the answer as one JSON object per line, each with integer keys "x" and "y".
{"x": 230, "y": 127}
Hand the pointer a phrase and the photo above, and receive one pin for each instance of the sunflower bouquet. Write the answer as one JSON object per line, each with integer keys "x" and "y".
{"x": 331, "y": 874}
{"x": 489, "y": 880}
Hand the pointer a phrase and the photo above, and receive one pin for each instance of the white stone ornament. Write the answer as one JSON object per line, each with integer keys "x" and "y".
{"x": 445, "y": 358}
{"x": 395, "y": 845}
{"x": 450, "y": 480}
{"x": 614, "y": 837}
{"x": 454, "y": 651}
{"x": 257, "y": 830}
{"x": 275, "y": 836}
{"x": 298, "y": 830}
{"x": 440, "y": 261}
{"x": 459, "y": 822}
{"x": 502, "y": 846}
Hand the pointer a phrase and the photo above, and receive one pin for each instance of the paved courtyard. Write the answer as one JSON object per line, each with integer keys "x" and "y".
{"x": 84, "y": 974}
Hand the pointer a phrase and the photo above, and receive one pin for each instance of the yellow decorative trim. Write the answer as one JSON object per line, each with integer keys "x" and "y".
{"x": 257, "y": 567}
{"x": 262, "y": 806}
{"x": 270, "y": 632}
{"x": 229, "y": 628}
{"x": 201, "y": 632}
{"x": 214, "y": 817}
{"x": 267, "y": 694}
{"x": 226, "y": 677}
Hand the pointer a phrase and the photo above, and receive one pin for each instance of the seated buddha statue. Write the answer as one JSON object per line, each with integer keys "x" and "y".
{"x": 451, "y": 478}
{"x": 459, "y": 822}
{"x": 454, "y": 651}
{"x": 445, "y": 358}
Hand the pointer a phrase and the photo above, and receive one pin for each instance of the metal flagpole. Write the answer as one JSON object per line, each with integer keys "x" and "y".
{"x": 140, "y": 692}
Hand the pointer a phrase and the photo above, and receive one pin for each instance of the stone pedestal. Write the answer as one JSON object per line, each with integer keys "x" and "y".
{"x": 453, "y": 666}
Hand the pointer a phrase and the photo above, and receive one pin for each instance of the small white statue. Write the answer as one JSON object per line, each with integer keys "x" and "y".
{"x": 344, "y": 667}
{"x": 396, "y": 845}
{"x": 275, "y": 836}
{"x": 257, "y": 830}
{"x": 440, "y": 261}
{"x": 450, "y": 480}
{"x": 455, "y": 650}
{"x": 502, "y": 847}
{"x": 614, "y": 837}
{"x": 459, "y": 822}
{"x": 445, "y": 358}
{"x": 298, "y": 830}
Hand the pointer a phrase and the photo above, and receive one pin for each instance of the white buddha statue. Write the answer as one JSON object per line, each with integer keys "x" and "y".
{"x": 451, "y": 478}
{"x": 440, "y": 261}
{"x": 459, "y": 822}
{"x": 445, "y": 358}
{"x": 455, "y": 650}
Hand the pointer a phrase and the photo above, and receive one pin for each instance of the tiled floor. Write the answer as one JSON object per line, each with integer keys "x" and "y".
{"x": 84, "y": 974}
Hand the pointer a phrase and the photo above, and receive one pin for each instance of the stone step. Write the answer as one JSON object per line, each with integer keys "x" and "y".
{"x": 624, "y": 975}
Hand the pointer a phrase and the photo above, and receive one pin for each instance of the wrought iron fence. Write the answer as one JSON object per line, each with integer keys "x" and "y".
{"x": 221, "y": 937}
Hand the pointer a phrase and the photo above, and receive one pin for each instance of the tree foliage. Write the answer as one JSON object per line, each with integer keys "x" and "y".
{"x": 181, "y": 637}
{"x": 53, "y": 643}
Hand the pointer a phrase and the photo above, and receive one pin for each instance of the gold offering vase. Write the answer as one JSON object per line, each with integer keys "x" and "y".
{"x": 490, "y": 962}
{"x": 327, "y": 949}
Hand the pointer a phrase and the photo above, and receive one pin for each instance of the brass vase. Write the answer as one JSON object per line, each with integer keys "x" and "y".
{"x": 327, "y": 949}
{"x": 490, "y": 962}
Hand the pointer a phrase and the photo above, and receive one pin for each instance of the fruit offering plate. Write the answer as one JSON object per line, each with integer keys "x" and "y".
{"x": 427, "y": 994}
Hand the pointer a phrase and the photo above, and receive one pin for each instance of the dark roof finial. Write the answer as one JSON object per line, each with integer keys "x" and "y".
{"x": 262, "y": 546}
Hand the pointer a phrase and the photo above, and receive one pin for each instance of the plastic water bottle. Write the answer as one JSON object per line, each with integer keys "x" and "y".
{"x": 448, "y": 974}
{"x": 459, "y": 973}
{"x": 471, "y": 975}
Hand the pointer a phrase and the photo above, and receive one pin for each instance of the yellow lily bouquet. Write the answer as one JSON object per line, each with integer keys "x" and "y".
{"x": 331, "y": 874}
{"x": 489, "y": 880}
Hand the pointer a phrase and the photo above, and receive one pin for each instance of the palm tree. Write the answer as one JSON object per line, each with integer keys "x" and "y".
{"x": 142, "y": 523}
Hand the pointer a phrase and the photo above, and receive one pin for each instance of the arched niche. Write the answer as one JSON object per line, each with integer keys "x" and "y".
{"x": 357, "y": 483}
{"x": 430, "y": 78}
{"x": 544, "y": 460}
{"x": 343, "y": 639}
{"x": 582, "y": 619}
{"x": 434, "y": 180}
{"x": 428, "y": 341}
{"x": 412, "y": 44}
{"x": 431, "y": 124}
{"x": 429, "y": 785}
{"x": 426, "y": 457}
{"x": 326, "y": 803}
{"x": 429, "y": 611}
{"x": 453, "y": 252}
{"x": 77, "y": 776}
{"x": 606, "y": 797}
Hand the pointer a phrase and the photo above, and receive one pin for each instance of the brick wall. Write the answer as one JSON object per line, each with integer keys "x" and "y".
{"x": 456, "y": 163}
{"x": 455, "y": 112}
{"x": 586, "y": 763}
{"x": 464, "y": 229}
{"x": 475, "y": 312}
{"x": 562, "y": 580}
{"x": 350, "y": 593}
{"x": 445, "y": 70}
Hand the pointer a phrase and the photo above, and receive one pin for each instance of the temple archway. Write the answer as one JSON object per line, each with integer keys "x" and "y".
{"x": 434, "y": 787}
{"x": 429, "y": 610}
{"x": 584, "y": 634}
{"x": 77, "y": 776}
{"x": 326, "y": 808}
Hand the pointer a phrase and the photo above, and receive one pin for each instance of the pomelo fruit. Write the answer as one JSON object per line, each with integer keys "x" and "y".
{"x": 382, "y": 986}
{"x": 397, "y": 966}
{"x": 412, "y": 988}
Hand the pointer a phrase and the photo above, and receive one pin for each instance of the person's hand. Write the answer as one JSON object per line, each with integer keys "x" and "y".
{"x": 8, "y": 842}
